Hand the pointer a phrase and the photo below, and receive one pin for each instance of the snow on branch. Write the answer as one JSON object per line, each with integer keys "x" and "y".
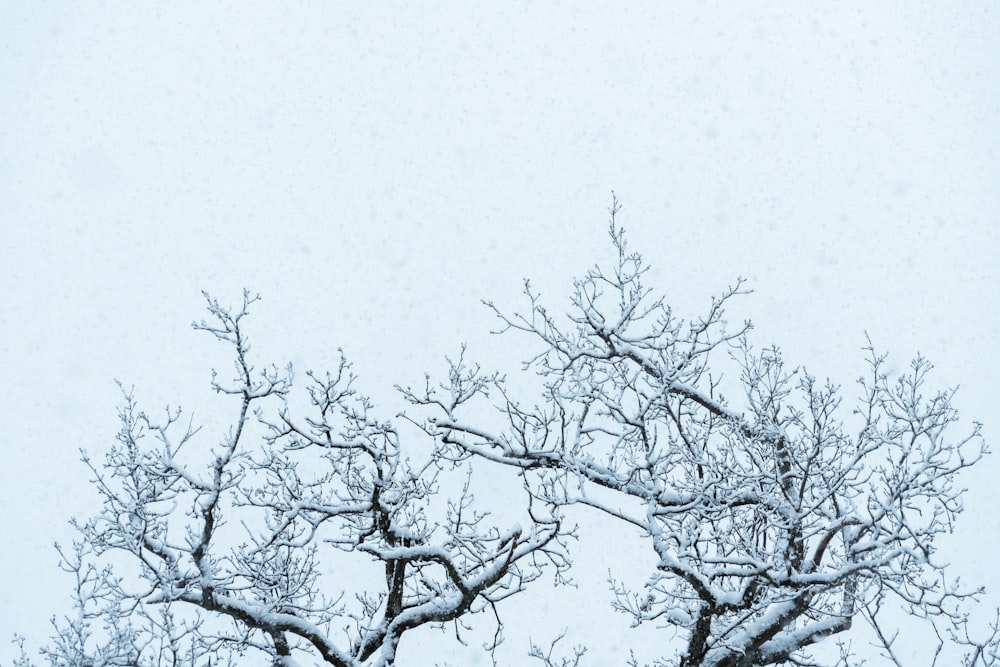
{"x": 779, "y": 511}
{"x": 298, "y": 534}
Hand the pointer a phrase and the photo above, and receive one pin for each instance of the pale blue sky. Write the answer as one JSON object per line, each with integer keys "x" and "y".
{"x": 374, "y": 173}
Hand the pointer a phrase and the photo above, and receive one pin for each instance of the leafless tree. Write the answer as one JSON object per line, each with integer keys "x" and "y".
{"x": 780, "y": 510}
{"x": 304, "y": 534}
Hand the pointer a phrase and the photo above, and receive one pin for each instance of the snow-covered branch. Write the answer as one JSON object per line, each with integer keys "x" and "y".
{"x": 777, "y": 518}
{"x": 309, "y": 530}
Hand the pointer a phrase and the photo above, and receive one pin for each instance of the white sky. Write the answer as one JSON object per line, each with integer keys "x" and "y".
{"x": 374, "y": 173}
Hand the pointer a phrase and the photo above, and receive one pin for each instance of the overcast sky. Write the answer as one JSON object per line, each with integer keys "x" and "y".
{"x": 375, "y": 173}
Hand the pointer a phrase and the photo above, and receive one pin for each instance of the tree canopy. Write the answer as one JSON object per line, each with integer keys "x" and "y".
{"x": 781, "y": 510}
